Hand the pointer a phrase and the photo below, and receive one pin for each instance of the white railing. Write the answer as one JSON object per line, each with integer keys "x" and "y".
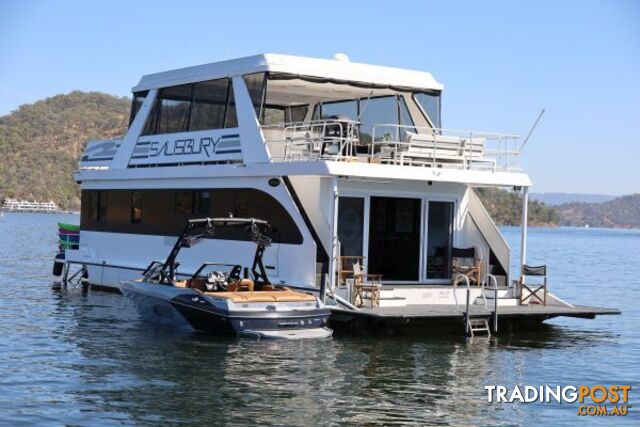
{"x": 462, "y": 149}
{"x": 342, "y": 140}
{"x": 313, "y": 140}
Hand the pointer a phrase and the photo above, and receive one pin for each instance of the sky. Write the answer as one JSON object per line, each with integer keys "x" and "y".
{"x": 500, "y": 62}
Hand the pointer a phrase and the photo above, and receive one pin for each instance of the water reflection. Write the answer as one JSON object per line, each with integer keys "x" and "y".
{"x": 148, "y": 373}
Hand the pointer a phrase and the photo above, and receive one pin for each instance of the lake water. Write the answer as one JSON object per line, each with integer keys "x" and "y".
{"x": 84, "y": 358}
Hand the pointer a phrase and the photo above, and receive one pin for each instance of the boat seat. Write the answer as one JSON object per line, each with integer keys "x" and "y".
{"x": 263, "y": 296}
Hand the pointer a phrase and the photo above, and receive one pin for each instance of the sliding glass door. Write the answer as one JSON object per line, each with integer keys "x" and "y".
{"x": 404, "y": 239}
{"x": 394, "y": 238}
{"x": 351, "y": 225}
{"x": 439, "y": 239}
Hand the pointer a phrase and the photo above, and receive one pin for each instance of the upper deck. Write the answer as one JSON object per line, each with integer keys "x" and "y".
{"x": 284, "y": 114}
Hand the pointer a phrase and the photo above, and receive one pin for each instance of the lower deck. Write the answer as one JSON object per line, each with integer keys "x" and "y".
{"x": 447, "y": 318}
{"x": 421, "y": 311}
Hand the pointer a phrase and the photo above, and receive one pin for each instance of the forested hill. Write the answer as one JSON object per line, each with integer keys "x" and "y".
{"x": 40, "y": 143}
{"x": 505, "y": 208}
{"x": 621, "y": 212}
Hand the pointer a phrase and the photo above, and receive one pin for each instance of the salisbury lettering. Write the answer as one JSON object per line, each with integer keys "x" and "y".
{"x": 183, "y": 147}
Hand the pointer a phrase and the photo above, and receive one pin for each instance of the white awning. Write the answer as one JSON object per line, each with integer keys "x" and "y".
{"x": 329, "y": 69}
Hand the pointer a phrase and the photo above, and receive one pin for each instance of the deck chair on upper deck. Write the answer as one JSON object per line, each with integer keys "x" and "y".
{"x": 465, "y": 262}
{"x": 533, "y": 290}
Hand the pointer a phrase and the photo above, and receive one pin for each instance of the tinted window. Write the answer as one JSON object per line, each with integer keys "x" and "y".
{"x": 273, "y": 115}
{"x": 136, "y": 207}
{"x": 96, "y": 204}
{"x": 439, "y": 238}
{"x": 430, "y": 104}
{"x": 231, "y": 119}
{"x": 378, "y": 111}
{"x": 297, "y": 113}
{"x": 209, "y": 104}
{"x": 405, "y": 119}
{"x": 203, "y": 202}
{"x": 91, "y": 205}
{"x": 138, "y": 99}
{"x": 184, "y": 201}
{"x": 342, "y": 109}
{"x": 256, "y": 85}
{"x": 161, "y": 218}
{"x": 175, "y": 103}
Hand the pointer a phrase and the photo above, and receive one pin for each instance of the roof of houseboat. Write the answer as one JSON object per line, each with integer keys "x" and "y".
{"x": 339, "y": 69}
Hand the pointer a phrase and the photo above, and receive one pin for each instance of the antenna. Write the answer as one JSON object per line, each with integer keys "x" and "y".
{"x": 531, "y": 130}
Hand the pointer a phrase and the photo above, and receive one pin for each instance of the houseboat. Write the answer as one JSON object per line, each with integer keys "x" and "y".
{"x": 14, "y": 205}
{"x": 371, "y": 201}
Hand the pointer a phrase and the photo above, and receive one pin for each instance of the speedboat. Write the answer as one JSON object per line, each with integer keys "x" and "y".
{"x": 226, "y": 299}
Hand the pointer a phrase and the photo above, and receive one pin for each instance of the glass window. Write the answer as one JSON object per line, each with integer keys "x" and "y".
{"x": 231, "y": 119}
{"x": 94, "y": 198}
{"x": 394, "y": 238}
{"x": 184, "y": 201}
{"x": 430, "y": 104}
{"x": 160, "y": 218}
{"x": 341, "y": 109}
{"x": 209, "y": 104}
{"x": 378, "y": 111}
{"x": 136, "y": 207}
{"x": 203, "y": 202}
{"x": 151, "y": 125}
{"x": 351, "y": 225}
{"x": 405, "y": 119}
{"x": 297, "y": 113}
{"x": 273, "y": 115}
{"x": 102, "y": 206}
{"x": 439, "y": 238}
{"x": 175, "y": 105}
{"x": 256, "y": 87}
{"x": 138, "y": 99}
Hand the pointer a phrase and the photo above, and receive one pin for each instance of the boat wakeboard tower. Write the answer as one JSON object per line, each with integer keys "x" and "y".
{"x": 193, "y": 233}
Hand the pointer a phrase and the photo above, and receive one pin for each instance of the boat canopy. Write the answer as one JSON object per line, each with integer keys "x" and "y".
{"x": 328, "y": 70}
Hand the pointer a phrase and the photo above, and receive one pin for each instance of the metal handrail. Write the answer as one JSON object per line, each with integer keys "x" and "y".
{"x": 478, "y": 150}
{"x": 314, "y": 132}
{"x": 503, "y": 156}
{"x": 495, "y": 297}
{"x": 455, "y": 296}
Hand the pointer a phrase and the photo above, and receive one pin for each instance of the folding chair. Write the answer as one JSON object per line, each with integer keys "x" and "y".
{"x": 472, "y": 271}
{"x": 533, "y": 290}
